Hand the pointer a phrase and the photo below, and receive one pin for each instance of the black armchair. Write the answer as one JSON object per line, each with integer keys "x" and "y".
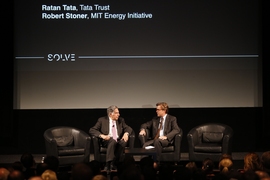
{"x": 171, "y": 153}
{"x": 209, "y": 140}
{"x": 100, "y": 151}
{"x": 68, "y": 144}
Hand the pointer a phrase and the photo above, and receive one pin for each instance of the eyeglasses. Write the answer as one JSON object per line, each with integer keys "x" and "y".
{"x": 159, "y": 109}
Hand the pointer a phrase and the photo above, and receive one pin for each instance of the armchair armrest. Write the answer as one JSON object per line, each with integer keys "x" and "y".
{"x": 227, "y": 141}
{"x": 50, "y": 144}
{"x": 177, "y": 142}
{"x": 131, "y": 140}
{"x": 96, "y": 146}
{"x": 82, "y": 139}
{"x": 145, "y": 138}
{"x": 193, "y": 138}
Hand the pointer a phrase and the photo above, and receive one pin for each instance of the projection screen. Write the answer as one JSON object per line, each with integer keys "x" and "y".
{"x": 71, "y": 54}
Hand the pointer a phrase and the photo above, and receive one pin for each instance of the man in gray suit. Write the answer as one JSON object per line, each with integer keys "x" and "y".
{"x": 115, "y": 143}
{"x": 164, "y": 127}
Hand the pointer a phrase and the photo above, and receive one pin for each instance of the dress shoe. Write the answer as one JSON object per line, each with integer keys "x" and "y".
{"x": 113, "y": 167}
{"x": 107, "y": 167}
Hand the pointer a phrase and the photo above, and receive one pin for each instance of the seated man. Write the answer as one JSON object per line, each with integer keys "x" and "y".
{"x": 114, "y": 133}
{"x": 164, "y": 127}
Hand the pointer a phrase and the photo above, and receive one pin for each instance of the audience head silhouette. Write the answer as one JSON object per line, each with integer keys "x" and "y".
{"x": 252, "y": 162}
{"x": 16, "y": 175}
{"x": 52, "y": 162}
{"x": 265, "y": 159}
{"x": 49, "y": 175}
{"x": 27, "y": 160}
{"x": 81, "y": 171}
{"x": 4, "y": 173}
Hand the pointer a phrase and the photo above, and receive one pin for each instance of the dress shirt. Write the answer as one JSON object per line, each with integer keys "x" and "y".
{"x": 112, "y": 122}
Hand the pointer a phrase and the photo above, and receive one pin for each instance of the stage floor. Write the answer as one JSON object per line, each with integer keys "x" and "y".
{"x": 7, "y": 159}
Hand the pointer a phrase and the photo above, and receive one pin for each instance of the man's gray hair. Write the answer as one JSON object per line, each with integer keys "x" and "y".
{"x": 111, "y": 109}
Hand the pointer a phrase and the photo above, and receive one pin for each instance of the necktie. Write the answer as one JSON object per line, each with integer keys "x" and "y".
{"x": 160, "y": 127}
{"x": 114, "y": 131}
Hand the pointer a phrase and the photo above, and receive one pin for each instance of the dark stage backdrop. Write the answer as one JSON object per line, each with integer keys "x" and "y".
{"x": 91, "y": 54}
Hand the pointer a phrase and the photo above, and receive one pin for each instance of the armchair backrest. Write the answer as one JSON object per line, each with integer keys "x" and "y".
{"x": 65, "y": 136}
{"x": 212, "y": 132}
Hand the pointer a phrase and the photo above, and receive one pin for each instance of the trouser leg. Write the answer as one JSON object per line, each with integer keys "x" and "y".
{"x": 159, "y": 144}
{"x": 119, "y": 150}
{"x": 110, "y": 150}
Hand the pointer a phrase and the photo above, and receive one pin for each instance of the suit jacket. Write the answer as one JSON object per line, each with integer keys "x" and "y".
{"x": 102, "y": 127}
{"x": 171, "y": 127}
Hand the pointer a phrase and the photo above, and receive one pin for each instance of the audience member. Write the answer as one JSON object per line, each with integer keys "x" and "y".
{"x": 225, "y": 166}
{"x": 52, "y": 163}
{"x": 208, "y": 166}
{"x": 165, "y": 172}
{"x": 95, "y": 166}
{"x": 265, "y": 160}
{"x": 29, "y": 164}
{"x": 252, "y": 162}
{"x": 99, "y": 177}
{"x": 4, "y": 173}
{"x": 226, "y": 156}
{"x": 249, "y": 175}
{"x": 132, "y": 172}
{"x": 49, "y": 175}
{"x": 148, "y": 171}
{"x": 184, "y": 173}
{"x": 41, "y": 167}
{"x": 35, "y": 178}
{"x": 192, "y": 167}
{"x": 16, "y": 175}
{"x": 192, "y": 171}
{"x": 262, "y": 174}
{"x": 226, "y": 170}
{"x": 127, "y": 161}
{"x": 17, "y": 165}
{"x": 81, "y": 171}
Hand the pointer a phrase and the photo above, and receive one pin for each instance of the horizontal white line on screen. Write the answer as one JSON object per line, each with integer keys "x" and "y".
{"x": 197, "y": 56}
{"x": 29, "y": 57}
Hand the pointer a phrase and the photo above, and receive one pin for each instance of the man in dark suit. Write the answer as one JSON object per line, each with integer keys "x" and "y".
{"x": 164, "y": 127}
{"x": 114, "y": 134}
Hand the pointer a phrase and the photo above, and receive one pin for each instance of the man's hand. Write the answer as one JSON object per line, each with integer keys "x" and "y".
{"x": 163, "y": 137}
{"x": 105, "y": 137}
{"x": 142, "y": 132}
{"x": 125, "y": 137}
